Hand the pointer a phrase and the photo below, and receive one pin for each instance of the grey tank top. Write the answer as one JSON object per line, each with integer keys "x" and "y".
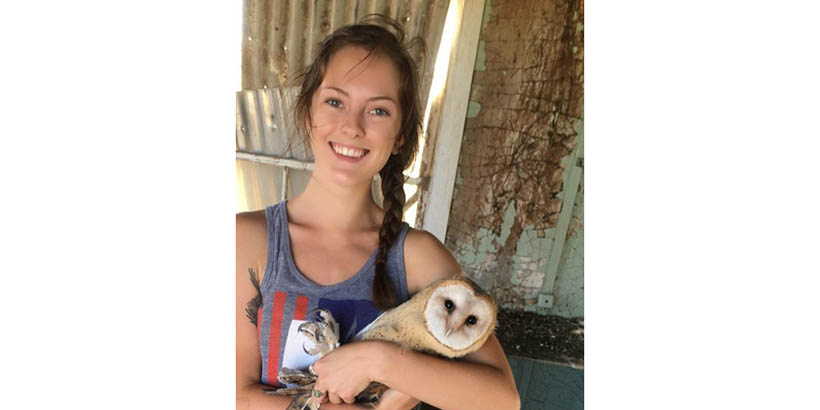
{"x": 288, "y": 297}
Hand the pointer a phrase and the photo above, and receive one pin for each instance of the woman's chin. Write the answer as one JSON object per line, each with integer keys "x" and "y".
{"x": 346, "y": 179}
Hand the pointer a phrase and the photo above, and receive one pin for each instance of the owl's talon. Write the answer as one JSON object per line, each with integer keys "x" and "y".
{"x": 312, "y": 332}
{"x": 322, "y": 330}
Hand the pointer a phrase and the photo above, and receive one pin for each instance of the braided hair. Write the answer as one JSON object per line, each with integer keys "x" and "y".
{"x": 382, "y": 36}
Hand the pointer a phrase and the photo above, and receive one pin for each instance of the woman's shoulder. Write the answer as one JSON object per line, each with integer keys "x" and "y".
{"x": 251, "y": 241}
{"x": 252, "y": 223}
{"x": 426, "y": 260}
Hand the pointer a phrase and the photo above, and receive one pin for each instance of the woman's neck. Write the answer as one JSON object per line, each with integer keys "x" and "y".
{"x": 334, "y": 208}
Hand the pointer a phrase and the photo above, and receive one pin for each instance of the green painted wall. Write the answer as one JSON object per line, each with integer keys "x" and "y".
{"x": 569, "y": 283}
{"x": 533, "y": 248}
{"x": 508, "y": 198}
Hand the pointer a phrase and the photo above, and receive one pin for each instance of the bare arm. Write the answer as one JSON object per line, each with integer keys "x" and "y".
{"x": 481, "y": 380}
{"x": 251, "y": 255}
{"x": 251, "y": 244}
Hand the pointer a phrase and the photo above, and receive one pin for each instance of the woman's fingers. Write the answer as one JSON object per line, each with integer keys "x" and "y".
{"x": 334, "y": 398}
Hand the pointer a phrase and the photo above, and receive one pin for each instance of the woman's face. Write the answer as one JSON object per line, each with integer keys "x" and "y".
{"x": 356, "y": 117}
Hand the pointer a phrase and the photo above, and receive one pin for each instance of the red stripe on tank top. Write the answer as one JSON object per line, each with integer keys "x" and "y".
{"x": 275, "y": 339}
{"x": 300, "y": 310}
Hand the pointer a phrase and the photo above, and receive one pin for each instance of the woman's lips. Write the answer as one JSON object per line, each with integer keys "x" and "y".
{"x": 347, "y": 153}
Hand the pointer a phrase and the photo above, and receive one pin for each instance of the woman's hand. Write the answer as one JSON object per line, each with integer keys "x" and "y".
{"x": 347, "y": 370}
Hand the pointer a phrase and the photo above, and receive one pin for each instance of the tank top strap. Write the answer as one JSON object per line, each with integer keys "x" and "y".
{"x": 277, "y": 228}
{"x": 395, "y": 263}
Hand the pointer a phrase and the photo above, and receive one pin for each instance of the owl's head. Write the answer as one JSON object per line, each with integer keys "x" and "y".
{"x": 460, "y": 315}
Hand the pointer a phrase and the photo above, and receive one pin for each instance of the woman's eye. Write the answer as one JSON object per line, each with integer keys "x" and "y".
{"x": 334, "y": 102}
{"x": 379, "y": 111}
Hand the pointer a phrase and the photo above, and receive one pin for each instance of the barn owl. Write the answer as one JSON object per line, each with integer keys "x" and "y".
{"x": 451, "y": 318}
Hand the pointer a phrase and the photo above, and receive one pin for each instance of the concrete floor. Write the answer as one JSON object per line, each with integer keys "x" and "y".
{"x": 544, "y": 385}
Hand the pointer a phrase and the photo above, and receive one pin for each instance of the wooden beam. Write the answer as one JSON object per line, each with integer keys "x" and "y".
{"x": 450, "y": 128}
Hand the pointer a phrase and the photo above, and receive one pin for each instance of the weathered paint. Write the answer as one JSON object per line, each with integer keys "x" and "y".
{"x": 568, "y": 288}
{"x": 480, "y": 57}
{"x": 573, "y": 164}
{"x": 473, "y": 109}
{"x": 529, "y": 266}
{"x": 521, "y": 131}
{"x": 487, "y": 12}
{"x": 569, "y": 284}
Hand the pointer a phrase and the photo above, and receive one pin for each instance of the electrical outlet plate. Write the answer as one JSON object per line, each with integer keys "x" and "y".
{"x": 545, "y": 301}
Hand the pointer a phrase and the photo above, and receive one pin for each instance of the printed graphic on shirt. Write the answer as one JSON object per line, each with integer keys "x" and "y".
{"x": 271, "y": 339}
{"x": 352, "y": 316}
{"x": 295, "y": 356}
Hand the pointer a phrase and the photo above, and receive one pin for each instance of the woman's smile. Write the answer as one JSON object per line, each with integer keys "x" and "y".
{"x": 347, "y": 153}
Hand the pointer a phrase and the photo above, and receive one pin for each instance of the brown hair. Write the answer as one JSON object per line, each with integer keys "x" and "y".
{"x": 381, "y": 36}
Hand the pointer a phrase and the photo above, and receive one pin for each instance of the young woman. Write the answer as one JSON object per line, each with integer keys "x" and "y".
{"x": 333, "y": 247}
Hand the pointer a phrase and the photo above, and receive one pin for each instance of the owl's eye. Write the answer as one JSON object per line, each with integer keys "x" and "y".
{"x": 471, "y": 320}
{"x": 449, "y": 304}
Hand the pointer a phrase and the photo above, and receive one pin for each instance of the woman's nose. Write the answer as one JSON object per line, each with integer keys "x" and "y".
{"x": 352, "y": 126}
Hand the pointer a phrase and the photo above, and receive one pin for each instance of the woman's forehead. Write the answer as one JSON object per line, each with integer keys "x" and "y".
{"x": 352, "y": 70}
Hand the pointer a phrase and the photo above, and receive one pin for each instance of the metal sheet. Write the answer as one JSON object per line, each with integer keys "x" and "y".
{"x": 265, "y": 124}
{"x": 280, "y": 37}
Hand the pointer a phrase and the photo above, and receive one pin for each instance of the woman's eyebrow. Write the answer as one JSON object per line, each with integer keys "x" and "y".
{"x": 346, "y": 94}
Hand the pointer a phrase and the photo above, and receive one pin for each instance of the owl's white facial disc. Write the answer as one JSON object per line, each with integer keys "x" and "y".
{"x": 456, "y": 317}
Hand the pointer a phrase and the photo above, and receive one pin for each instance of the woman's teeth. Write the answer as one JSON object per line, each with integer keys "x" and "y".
{"x": 348, "y": 152}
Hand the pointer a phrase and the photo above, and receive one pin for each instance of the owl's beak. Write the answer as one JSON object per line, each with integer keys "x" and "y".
{"x": 454, "y": 323}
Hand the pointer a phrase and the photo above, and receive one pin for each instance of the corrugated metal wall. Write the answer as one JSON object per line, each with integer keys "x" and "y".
{"x": 264, "y": 125}
{"x": 280, "y": 37}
